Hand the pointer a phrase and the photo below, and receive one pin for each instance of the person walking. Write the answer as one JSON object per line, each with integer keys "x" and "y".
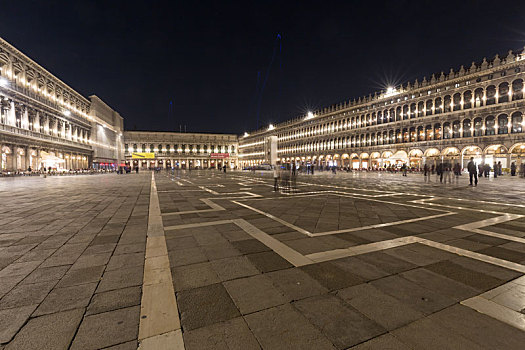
{"x": 472, "y": 172}
{"x": 426, "y": 172}
{"x": 275, "y": 179}
{"x": 513, "y": 169}
{"x": 404, "y": 169}
{"x": 499, "y": 169}
{"x": 495, "y": 170}
{"x": 447, "y": 167}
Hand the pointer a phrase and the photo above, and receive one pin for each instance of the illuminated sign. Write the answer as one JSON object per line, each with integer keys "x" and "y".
{"x": 142, "y": 155}
{"x": 219, "y": 155}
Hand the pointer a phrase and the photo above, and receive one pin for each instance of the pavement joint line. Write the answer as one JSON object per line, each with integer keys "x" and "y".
{"x": 158, "y": 307}
{"x": 393, "y": 223}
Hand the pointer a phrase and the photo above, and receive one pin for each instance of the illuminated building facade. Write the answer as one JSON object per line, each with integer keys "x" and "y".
{"x": 148, "y": 149}
{"x": 45, "y": 123}
{"x": 476, "y": 111}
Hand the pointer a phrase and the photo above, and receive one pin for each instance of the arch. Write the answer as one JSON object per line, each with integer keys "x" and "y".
{"x": 517, "y": 89}
{"x": 345, "y": 156}
{"x": 503, "y": 92}
{"x": 518, "y": 148}
{"x": 386, "y": 154}
{"x": 471, "y": 150}
{"x": 432, "y": 152}
{"x": 490, "y": 95}
{"x": 364, "y": 155}
{"x": 496, "y": 149}
{"x": 516, "y": 122}
{"x": 502, "y": 124}
{"x": 468, "y": 100}
{"x": 375, "y": 155}
{"x": 450, "y": 151}
{"x": 415, "y": 152}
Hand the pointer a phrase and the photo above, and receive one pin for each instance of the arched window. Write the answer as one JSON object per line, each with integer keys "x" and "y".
{"x": 420, "y": 133}
{"x": 490, "y": 125}
{"x": 413, "y": 110}
{"x": 379, "y": 117}
{"x": 478, "y": 127}
{"x": 405, "y": 112}
{"x": 456, "y": 129}
{"x": 491, "y": 95}
{"x": 467, "y": 99}
{"x": 391, "y": 115}
{"x": 478, "y": 97}
{"x": 391, "y": 138}
{"x": 429, "y": 106}
{"x": 398, "y": 113}
{"x": 503, "y": 121}
{"x": 428, "y": 133}
{"x": 437, "y": 131}
{"x": 421, "y": 109}
{"x": 447, "y": 104}
{"x": 447, "y": 131}
{"x": 405, "y": 135}
{"x": 413, "y": 135}
{"x": 517, "y": 122}
{"x": 503, "y": 92}
{"x": 135, "y": 149}
{"x": 456, "y": 101}
{"x": 517, "y": 89}
{"x": 398, "y": 136}
{"x": 438, "y": 105}
{"x": 467, "y": 125}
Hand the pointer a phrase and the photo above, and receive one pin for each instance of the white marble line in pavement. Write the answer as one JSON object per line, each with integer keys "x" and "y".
{"x": 159, "y": 326}
{"x": 362, "y": 249}
{"x": 342, "y": 194}
{"x": 473, "y": 255}
{"x": 298, "y": 229}
{"x": 503, "y": 303}
{"x": 295, "y": 258}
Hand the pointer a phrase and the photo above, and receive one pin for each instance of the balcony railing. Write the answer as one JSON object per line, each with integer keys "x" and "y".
{"x": 41, "y": 137}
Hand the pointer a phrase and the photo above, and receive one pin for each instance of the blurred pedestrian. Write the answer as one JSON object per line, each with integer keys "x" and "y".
{"x": 472, "y": 172}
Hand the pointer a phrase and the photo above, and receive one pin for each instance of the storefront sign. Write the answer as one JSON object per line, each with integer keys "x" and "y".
{"x": 219, "y": 155}
{"x": 142, "y": 155}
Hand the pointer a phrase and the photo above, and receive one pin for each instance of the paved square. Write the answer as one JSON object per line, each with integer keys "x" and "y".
{"x": 207, "y": 260}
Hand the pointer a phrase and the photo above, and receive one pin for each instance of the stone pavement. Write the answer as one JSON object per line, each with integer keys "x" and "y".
{"x": 207, "y": 260}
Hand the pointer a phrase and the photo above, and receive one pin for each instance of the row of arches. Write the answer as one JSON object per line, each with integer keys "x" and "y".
{"x": 417, "y": 157}
{"x": 479, "y": 97}
{"x": 179, "y": 148}
{"x": 476, "y": 127}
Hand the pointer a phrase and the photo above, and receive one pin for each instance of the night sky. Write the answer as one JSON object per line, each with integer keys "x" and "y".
{"x": 205, "y": 56}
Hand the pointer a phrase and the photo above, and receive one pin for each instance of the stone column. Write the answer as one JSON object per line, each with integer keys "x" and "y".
{"x": 14, "y": 157}
{"x": 25, "y": 119}
{"x": 11, "y": 116}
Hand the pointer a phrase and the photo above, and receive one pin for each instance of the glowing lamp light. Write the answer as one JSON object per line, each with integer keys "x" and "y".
{"x": 3, "y": 82}
{"x": 67, "y": 113}
{"x": 271, "y": 127}
{"x": 309, "y": 115}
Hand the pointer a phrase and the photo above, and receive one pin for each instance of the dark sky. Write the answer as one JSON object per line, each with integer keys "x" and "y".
{"x": 205, "y": 55}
